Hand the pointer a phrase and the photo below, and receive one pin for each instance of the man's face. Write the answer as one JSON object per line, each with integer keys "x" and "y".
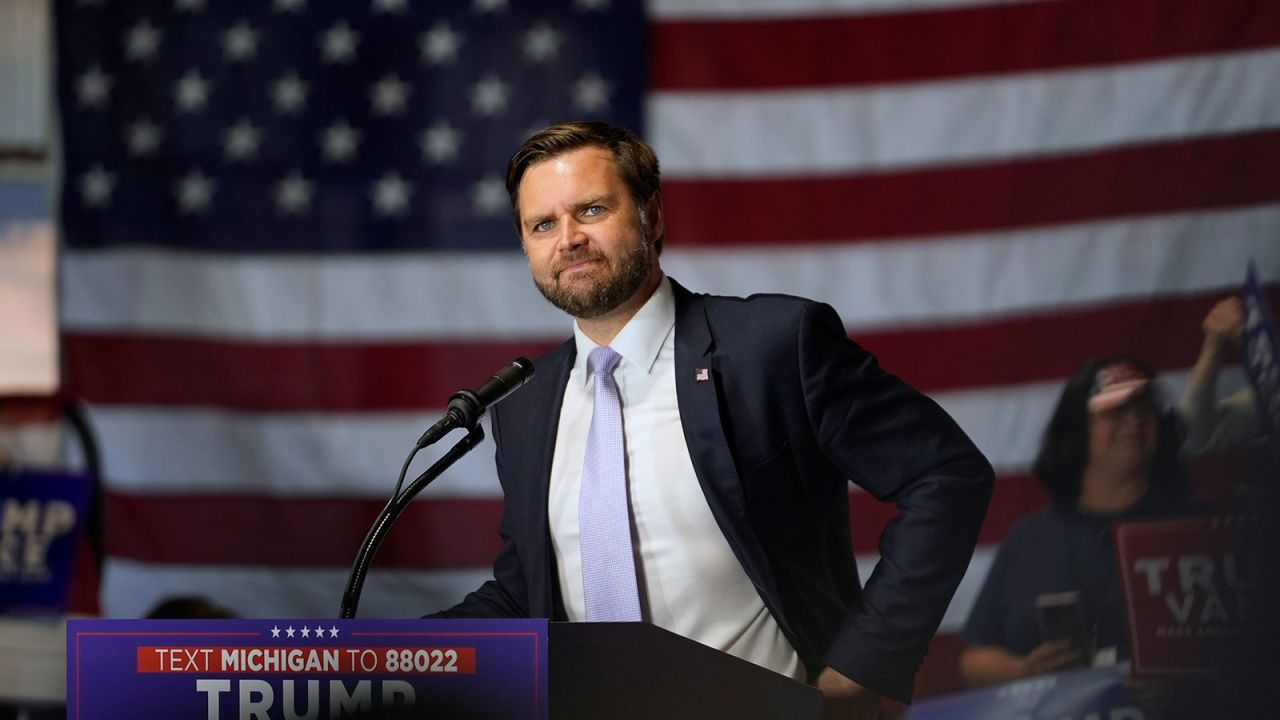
{"x": 582, "y": 232}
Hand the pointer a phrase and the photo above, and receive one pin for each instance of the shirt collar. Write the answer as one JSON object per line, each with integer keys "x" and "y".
{"x": 641, "y": 339}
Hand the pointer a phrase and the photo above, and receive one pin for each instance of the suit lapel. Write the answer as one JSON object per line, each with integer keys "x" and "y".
{"x": 698, "y": 387}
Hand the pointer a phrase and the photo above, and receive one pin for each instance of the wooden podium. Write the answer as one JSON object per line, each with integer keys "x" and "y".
{"x": 487, "y": 669}
{"x": 636, "y": 670}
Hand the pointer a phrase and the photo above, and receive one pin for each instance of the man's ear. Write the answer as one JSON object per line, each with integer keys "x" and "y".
{"x": 657, "y": 222}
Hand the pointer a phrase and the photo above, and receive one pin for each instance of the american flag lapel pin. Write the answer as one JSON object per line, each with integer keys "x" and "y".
{"x": 703, "y": 375}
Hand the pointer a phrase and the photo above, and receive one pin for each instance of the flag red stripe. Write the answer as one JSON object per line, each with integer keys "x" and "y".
{"x": 432, "y": 534}
{"x": 1214, "y": 172}
{"x": 364, "y": 377}
{"x": 912, "y": 46}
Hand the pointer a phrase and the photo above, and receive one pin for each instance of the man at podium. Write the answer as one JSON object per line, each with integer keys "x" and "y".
{"x": 683, "y": 459}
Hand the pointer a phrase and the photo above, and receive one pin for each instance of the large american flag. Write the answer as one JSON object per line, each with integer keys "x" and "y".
{"x": 287, "y": 242}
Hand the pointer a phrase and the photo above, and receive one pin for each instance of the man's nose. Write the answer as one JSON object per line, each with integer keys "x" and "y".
{"x": 571, "y": 235}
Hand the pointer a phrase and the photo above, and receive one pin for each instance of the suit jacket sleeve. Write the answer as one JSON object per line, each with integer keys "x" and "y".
{"x": 902, "y": 448}
{"x": 507, "y": 594}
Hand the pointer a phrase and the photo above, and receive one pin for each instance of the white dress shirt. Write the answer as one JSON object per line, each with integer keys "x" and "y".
{"x": 690, "y": 581}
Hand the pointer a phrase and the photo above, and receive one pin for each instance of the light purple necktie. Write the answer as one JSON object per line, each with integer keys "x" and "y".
{"x": 604, "y": 523}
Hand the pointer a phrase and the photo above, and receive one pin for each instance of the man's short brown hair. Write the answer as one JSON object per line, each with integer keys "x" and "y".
{"x": 635, "y": 160}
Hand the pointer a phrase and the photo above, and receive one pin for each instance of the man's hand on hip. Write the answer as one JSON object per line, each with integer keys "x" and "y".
{"x": 844, "y": 699}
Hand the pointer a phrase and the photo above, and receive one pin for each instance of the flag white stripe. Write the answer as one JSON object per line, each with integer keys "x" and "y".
{"x": 760, "y": 9}
{"x": 921, "y": 282}
{"x": 181, "y": 450}
{"x": 131, "y": 589}
{"x": 854, "y": 130}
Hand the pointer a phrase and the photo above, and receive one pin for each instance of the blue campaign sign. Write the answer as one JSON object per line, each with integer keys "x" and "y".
{"x": 1075, "y": 695}
{"x": 41, "y": 517}
{"x": 306, "y": 668}
{"x": 1261, "y": 351}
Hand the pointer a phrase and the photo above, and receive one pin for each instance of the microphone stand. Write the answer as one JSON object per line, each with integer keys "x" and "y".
{"x": 398, "y": 502}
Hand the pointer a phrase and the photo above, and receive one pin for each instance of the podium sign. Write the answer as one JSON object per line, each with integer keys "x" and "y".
{"x": 306, "y": 668}
{"x": 1187, "y": 590}
{"x": 42, "y": 515}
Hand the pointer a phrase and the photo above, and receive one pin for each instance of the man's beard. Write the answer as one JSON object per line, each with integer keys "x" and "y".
{"x": 619, "y": 283}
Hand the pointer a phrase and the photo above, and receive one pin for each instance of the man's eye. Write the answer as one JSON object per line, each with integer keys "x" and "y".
{"x": 543, "y": 226}
{"x": 593, "y": 210}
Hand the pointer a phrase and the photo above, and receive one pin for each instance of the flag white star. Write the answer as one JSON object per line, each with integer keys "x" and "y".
{"x": 192, "y": 92}
{"x": 195, "y": 191}
{"x": 390, "y": 195}
{"x": 188, "y": 5}
{"x": 240, "y": 142}
{"x": 293, "y": 194}
{"x": 488, "y": 6}
{"x": 339, "y": 142}
{"x": 93, "y": 86}
{"x": 96, "y": 186}
{"x": 142, "y": 41}
{"x": 489, "y": 196}
{"x": 239, "y": 42}
{"x": 289, "y": 631}
{"x": 541, "y": 43}
{"x": 389, "y": 95}
{"x": 289, "y": 94}
{"x": 319, "y": 631}
{"x": 289, "y": 6}
{"x": 333, "y": 631}
{"x": 338, "y": 43}
{"x": 440, "y": 143}
{"x": 489, "y": 96}
{"x": 440, "y": 44}
{"x": 590, "y": 5}
{"x": 391, "y": 7}
{"x": 591, "y": 93}
{"x": 275, "y": 631}
{"x": 143, "y": 137}
{"x": 306, "y": 631}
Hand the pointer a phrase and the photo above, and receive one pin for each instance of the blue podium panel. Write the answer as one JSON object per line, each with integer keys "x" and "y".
{"x": 306, "y": 668}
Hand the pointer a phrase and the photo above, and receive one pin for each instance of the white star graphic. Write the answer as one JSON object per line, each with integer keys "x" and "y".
{"x": 293, "y": 194}
{"x": 389, "y": 95}
{"x": 489, "y": 96}
{"x": 333, "y": 631}
{"x": 188, "y": 5}
{"x": 319, "y": 631}
{"x": 275, "y": 631}
{"x": 289, "y": 631}
{"x": 591, "y": 93}
{"x": 440, "y": 143}
{"x": 143, "y": 137}
{"x": 489, "y": 196}
{"x": 541, "y": 43}
{"x": 390, "y": 195}
{"x": 440, "y": 44}
{"x": 239, "y": 42}
{"x": 289, "y": 93}
{"x": 195, "y": 191}
{"x": 142, "y": 41}
{"x": 339, "y": 142}
{"x": 590, "y": 5}
{"x": 391, "y": 7}
{"x": 489, "y": 6}
{"x": 240, "y": 141}
{"x": 96, "y": 186}
{"x": 92, "y": 87}
{"x": 306, "y": 631}
{"x": 289, "y": 6}
{"x": 192, "y": 92}
{"x": 338, "y": 43}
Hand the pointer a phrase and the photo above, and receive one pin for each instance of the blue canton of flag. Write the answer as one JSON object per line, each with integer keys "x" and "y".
{"x": 301, "y": 126}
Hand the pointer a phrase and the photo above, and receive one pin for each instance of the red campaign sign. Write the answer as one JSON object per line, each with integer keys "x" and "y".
{"x": 308, "y": 660}
{"x": 1187, "y": 586}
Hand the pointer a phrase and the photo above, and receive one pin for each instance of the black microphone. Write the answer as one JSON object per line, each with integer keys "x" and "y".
{"x": 466, "y": 406}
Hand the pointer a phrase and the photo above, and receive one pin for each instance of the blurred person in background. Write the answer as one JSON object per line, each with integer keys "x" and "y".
{"x": 1213, "y": 424}
{"x": 1110, "y": 452}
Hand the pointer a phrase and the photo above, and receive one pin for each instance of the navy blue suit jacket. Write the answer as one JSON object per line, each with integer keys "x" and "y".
{"x": 792, "y": 411}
